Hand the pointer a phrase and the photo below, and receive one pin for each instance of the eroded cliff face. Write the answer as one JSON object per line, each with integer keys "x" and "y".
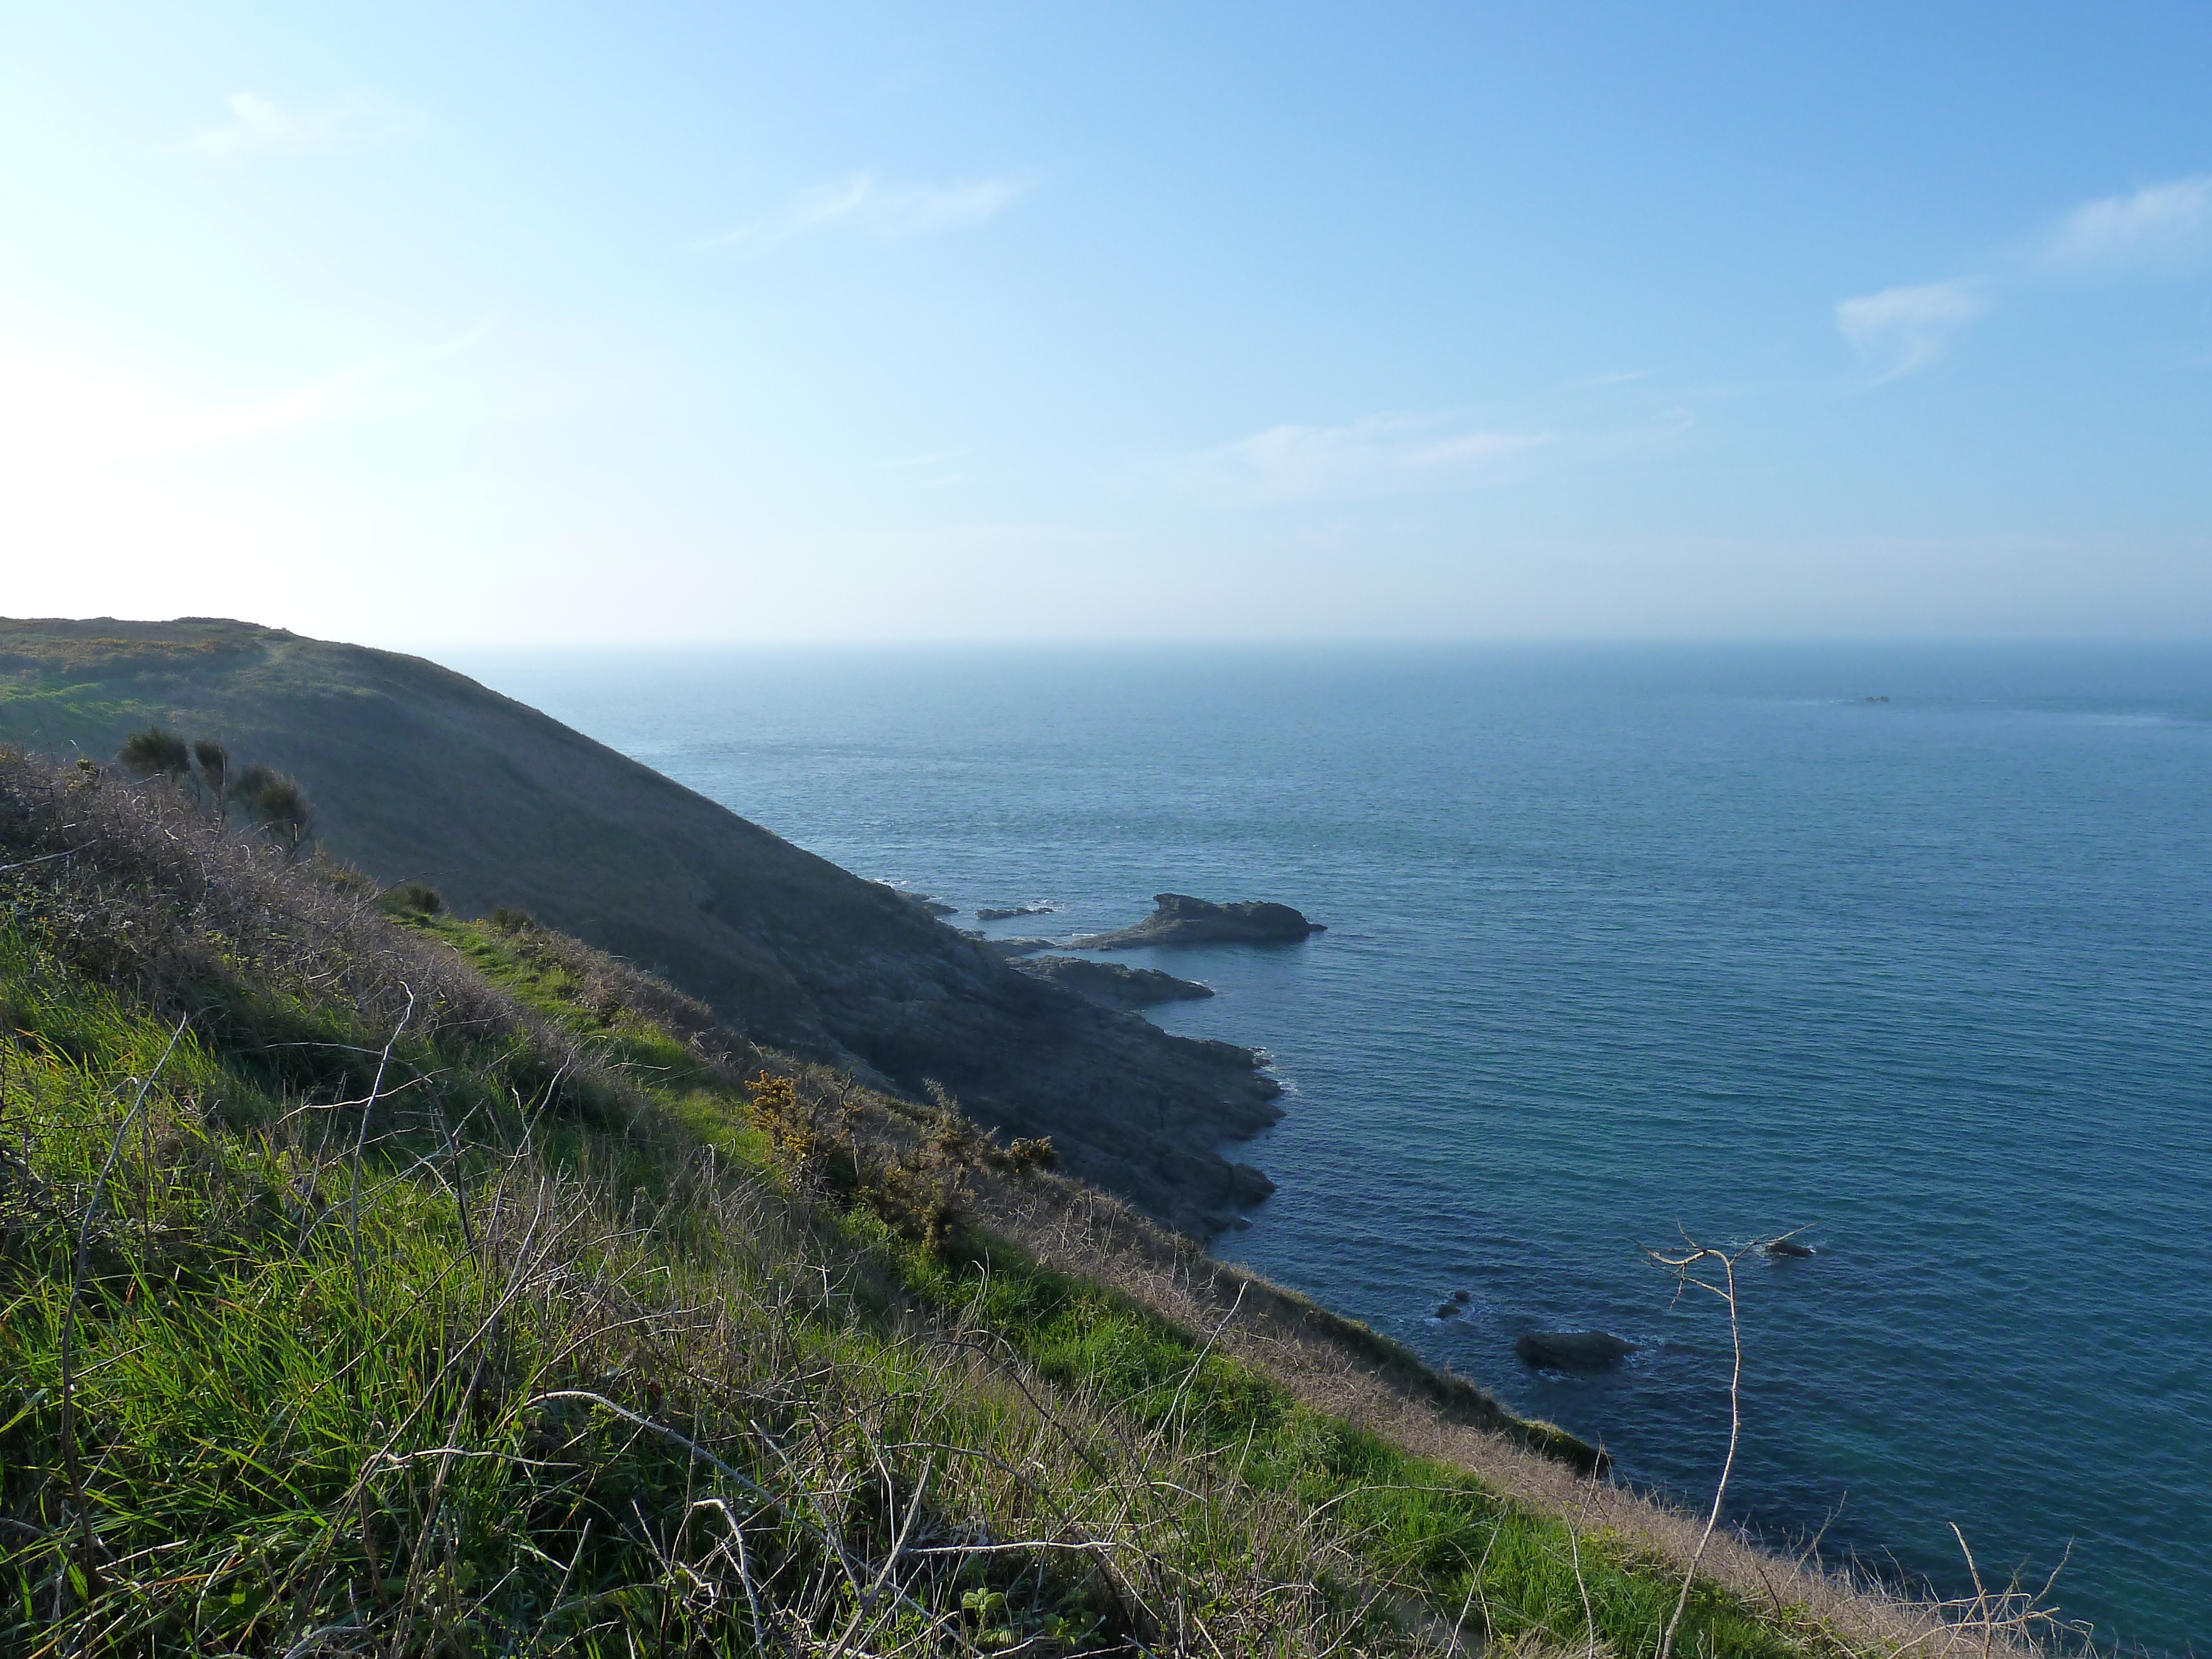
{"x": 421, "y": 773}
{"x": 1110, "y": 983}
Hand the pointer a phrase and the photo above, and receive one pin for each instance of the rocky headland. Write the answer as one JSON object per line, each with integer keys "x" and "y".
{"x": 1111, "y": 983}
{"x": 1179, "y": 919}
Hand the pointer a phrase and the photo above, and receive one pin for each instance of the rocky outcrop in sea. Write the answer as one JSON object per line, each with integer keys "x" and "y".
{"x": 1573, "y": 1350}
{"x": 1179, "y": 919}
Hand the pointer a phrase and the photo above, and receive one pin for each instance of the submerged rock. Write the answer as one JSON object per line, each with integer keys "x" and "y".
{"x": 1573, "y": 1350}
{"x": 1111, "y": 983}
{"x": 1179, "y": 919}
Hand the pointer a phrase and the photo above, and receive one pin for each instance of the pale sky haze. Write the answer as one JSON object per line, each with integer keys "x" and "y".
{"x": 503, "y": 324}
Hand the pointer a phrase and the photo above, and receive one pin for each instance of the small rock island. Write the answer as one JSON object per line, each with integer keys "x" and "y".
{"x": 1179, "y": 919}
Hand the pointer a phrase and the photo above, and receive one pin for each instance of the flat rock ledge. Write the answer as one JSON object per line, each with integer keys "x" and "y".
{"x": 1010, "y": 948}
{"x": 1111, "y": 983}
{"x": 1179, "y": 919}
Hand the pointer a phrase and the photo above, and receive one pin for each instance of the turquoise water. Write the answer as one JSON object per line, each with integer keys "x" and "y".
{"x": 1628, "y": 940}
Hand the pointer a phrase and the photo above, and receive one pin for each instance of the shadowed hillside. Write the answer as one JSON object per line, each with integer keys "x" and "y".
{"x": 421, "y": 773}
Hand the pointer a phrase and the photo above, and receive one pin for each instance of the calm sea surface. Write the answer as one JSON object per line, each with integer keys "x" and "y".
{"x": 1629, "y": 940}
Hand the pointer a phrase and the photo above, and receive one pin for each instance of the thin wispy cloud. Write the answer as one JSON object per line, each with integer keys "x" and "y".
{"x": 2164, "y": 229}
{"x": 1902, "y": 329}
{"x": 2161, "y": 230}
{"x": 261, "y": 126}
{"x": 1378, "y": 456}
{"x": 864, "y": 205}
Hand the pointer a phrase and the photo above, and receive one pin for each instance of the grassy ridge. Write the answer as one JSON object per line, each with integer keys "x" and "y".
{"x": 405, "y": 1285}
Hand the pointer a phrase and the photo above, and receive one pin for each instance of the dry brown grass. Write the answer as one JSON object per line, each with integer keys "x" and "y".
{"x": 159, "y": 901}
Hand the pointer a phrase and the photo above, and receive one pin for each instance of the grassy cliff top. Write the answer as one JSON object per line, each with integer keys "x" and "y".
{"x": 417, "y": 772}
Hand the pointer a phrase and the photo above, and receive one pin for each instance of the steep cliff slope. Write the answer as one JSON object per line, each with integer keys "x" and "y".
{"x": 421, "y": 773}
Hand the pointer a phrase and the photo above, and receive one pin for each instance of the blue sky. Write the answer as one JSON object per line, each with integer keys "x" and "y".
{"x": 430, "y": 324}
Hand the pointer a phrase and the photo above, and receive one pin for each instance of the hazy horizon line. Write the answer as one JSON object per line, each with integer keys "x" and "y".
{"x": 425, "y": 646}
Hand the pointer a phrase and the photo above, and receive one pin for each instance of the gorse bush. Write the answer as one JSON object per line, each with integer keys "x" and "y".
{"x": 276, "y": 804}
{"x": 156, "y": 753}
{"x": 272, "y": 803}
{"x": 416, "y": 898}
{"x": 214, "y": 766}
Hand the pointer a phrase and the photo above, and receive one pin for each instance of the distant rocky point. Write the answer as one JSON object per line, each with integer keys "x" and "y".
{"x": 924, "y": 902}
{"x": 1016, "y": 910}
{"x": 1179, "y": 919}
{"x": 1111, "y": 983}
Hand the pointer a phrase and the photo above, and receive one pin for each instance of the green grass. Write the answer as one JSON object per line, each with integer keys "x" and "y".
{"x": 266, "y": 1365}
{"x": 87, "y": 713}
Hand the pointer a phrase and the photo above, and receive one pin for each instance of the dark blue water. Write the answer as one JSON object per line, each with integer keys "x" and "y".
{"x": 1625, "y": 941}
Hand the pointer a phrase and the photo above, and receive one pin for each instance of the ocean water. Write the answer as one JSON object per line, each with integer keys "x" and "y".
{"x": 1625, "y": 943}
